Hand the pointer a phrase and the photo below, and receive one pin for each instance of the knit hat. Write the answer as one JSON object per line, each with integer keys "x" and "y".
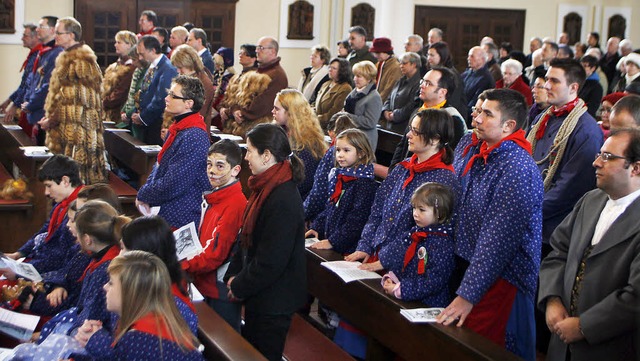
{"x": 634, "y": 58}
{"x": 227, "y": 55}
{"x": 381, "y": 45}
{"x": 613, "y": 97}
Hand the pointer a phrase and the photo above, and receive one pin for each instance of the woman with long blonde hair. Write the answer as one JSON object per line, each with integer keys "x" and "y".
{"x": 139, "y": 291}
{"x": 292, "y": 112}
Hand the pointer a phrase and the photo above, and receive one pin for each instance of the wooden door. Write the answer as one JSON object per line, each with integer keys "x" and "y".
{"x": 464, "y": 27}
{"x": 217, "y": 20}
{"x": 170, "y": 13}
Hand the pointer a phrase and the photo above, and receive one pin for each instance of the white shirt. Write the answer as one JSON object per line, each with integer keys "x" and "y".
{"x": 611, "y": 211}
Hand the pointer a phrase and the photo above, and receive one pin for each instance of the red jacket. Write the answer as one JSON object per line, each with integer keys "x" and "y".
{"x": 223, "y": 210}
{"x": 520, "y": 86}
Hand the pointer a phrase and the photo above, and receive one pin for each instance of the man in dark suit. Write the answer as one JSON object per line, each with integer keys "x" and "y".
{"x": 589, "y": 283}
{"x": 198, "y": 41}
{"x": 148, "y": 118}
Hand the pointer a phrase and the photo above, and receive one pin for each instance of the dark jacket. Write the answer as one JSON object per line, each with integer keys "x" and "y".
{"x": 402, "y": 101}
{"x": 591, "y": 93}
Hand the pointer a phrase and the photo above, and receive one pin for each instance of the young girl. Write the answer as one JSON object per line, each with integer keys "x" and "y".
{"x": 315, "y": 201}
{"x": 150, "y": 326}
{"x": 352, "y": 189}
{"x": 420, "y": 265}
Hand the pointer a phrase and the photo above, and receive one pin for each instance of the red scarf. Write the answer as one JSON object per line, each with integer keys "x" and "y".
{"x": 516, "y": 137}
{"x": 60, "y": 212}
{"x": 337, "y": 192}
{"x": 112, "y": 253}
{"x": 194, "y": 120}
{"x": 416, "y": 237}
{"x": 434, "y": 162}
{"x": 261, "y": 186}
{"x": 31, "y": 52}
{"x": 558, "y": 112}
{"x": 474, "y": 142}
{"x": 153, "y": 324}
{"x": 178, "y": 293}
{"x": 43, "y": 50}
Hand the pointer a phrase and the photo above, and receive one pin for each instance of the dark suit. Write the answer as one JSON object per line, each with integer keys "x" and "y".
{"x": 608, "y": 304}
{"x": 152, "y": 100}
{"x": 207, "y": 60}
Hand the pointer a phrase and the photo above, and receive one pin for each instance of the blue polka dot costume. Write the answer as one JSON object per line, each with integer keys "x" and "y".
{"x": 176, "y": 183}
{"x": 141, "y": 346}
{"x": 460, "y": 158}
{"x": 435, "y": 251}
{"x": 91, "y": 306}
{"x": 316, "y": 200}
{"x": 391, "y": 216}
{"x": 310, "y": 166}
{"x": 341, "y": 222}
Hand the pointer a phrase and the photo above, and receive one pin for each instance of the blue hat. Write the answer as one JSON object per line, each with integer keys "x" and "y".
{"x": 227, "y": 55}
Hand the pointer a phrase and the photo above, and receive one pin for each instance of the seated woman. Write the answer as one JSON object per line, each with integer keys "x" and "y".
{"x": 402, "y": 100}
{"x": 117, "y": 78}
{"x": 315, "y": 75}
{"x": 292, "y": 112}
{"x": 331, "y": 96}
{"x": 364, "y": 103}
{"x": 512, "y": 79}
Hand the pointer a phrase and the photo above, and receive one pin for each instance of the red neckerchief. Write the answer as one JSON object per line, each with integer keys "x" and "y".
{"x": 261, "y": 186}
{"x": 153, "y": 324}
{"x": 43, "y": 50}
{"x": 176, "y": 292}
{"x": 337, "y": 192}
{"x": 558, "y": 112}
{"x": 516, "y": 137}
{"x": 474, "y": 142}
{"x": 379, "y": 66}
{"x": 60, "y": 212}
{"x": 333, "y": 142}
{"x": 194, "y": 120}
{"x": 434, "y": 162}
{"x": 31, "y": 52}
{"x": 416, "y": 237}
{"x": 112, "y": 253}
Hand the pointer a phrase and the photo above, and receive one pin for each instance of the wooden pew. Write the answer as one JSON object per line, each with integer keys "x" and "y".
{"x": 15, "y": 161}
{"x": 13, "y": 213}
{"x": 367, "y": 307}
{"x": 125, "y": 148}
{"x": 306, "y": 343}
{"x": 387, "y": 142}
{"x": 221, "y": 342}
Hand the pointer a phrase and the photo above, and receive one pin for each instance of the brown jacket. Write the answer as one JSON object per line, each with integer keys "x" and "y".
{"x": 390, "y": 75}
{"x": 330, "y": 100}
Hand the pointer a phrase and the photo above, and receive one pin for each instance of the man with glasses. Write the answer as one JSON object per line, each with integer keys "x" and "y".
{"x": 269, "y": 64}
{"x": 73, "y": 108}
{"x": 179, "y": 178}
{"x": 147, "y": 22}
{"x": 435, "y": 88}
{"x": 39, "y": 76}
{"x": 589, "y": 283}
{"x": 147, "y": 120}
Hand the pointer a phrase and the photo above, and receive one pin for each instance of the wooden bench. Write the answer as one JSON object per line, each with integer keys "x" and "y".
{"x": 306, "y": 343}
{"x": 125, "y": 148}
{"x": 387, "y": 142}
{"x": 221, "y": 341}
{"x": 368, "y": 308}
{"x": 12, "y": 205}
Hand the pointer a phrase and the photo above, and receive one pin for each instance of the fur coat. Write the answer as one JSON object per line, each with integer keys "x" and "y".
{"x": 240, "y": 95}
{"x": 115, "y": 88}
{"x": 74, "y": 109}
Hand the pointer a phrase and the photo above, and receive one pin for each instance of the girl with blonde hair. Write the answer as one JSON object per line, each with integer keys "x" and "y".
{"x": 117, "y": 78}
{"x": 292, "y": 112}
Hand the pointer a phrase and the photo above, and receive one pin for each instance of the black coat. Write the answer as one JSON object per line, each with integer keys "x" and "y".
{"x": 270, "y": 276}
{"x": 591, "y": 93}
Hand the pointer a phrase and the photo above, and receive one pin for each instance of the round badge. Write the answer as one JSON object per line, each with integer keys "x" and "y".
{"x": 422, "y": 252}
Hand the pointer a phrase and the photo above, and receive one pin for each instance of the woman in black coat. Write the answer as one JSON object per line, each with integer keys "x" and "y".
{"x": 268, "y": 273}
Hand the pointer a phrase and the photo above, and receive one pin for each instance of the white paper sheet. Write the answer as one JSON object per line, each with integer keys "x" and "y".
{"x": 17, "y": 325}
{"x": 349, "y": 271}
{"x": 421, "y": 315}
{"x": 187, "y": 241}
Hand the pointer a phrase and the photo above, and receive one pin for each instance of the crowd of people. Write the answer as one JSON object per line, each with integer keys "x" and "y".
{"x": 492, "y": 207}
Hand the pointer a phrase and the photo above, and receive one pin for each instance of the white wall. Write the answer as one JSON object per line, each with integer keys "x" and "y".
{"x": 256, "y": 18}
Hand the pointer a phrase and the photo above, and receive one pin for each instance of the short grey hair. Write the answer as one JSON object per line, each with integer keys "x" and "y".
{"x": 512, "y": 64}
{"x": 417, "y": 38}
{"x": 412, "y": 58}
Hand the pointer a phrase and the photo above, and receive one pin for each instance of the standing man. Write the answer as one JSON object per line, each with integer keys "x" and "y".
{"x": 477, "y": 78}
{"x": 589, "y": 283}
{"x": 268, "y": 63}
{"x": 198, "y": 41}
{"x": 358, "y": 43}
{"x": 147, "y": 22}
{"x": 12, "y": 103}
{"x": 74, "y": 114}
{"x": 148, "y": 118}
{"x": 498, "y": 253}
{"x": 38, "y": 81}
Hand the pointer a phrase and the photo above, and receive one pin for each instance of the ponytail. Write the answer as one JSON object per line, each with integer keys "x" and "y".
{"x": 297, "y": 169}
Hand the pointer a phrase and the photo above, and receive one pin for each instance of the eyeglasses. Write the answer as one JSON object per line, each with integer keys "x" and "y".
{"x": 172, "y": 95}
{"x": 606, "y": 156}
{"x": 44, "y": 27}
{"x": 427, "y": 83}
{"x": 261, "y": 48}
{"x": 62, "y": 32}
{"x": 415, "y": 132}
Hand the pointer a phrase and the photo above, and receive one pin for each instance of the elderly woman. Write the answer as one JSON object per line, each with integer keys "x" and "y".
{"x": 188, "y": 62}
{"x": 364, "y": 103}
{"x": 117, "y": 78}
{"x": 512, "y": 79}
{"x": 401, "y": 103}
{"x": 388, "y": 66}
{"x": 332, "y": 94}
{"x": 315, "y": 75}
{"x": 631, "y": 66}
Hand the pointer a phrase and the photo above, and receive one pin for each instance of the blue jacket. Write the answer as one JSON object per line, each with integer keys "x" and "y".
{"x": 310, "y": 166}
{"x": 475, "y": 82}
{"x": 39, "y": 83}
{"x": 317, "y": 197}
{"x": 207, "y": 60}
{"x": 152, "y": 97}
{"x": 17, "y": 97}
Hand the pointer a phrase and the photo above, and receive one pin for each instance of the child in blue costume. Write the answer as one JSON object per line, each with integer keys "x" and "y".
{"x": 422, "y": 263}
{"x": 350, "y": 195}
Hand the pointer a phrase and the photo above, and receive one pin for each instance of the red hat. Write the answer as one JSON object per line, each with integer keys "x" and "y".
{"x": 381, "y": 45}
{"x": 613, "y": 97}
